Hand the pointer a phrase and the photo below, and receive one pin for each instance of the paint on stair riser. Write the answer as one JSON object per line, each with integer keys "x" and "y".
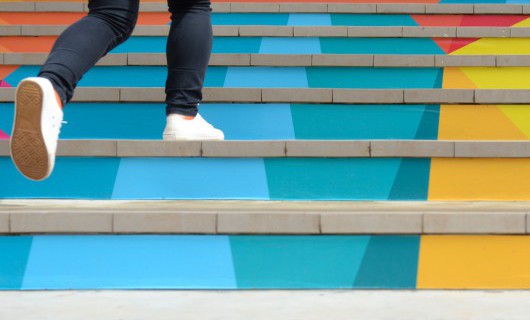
{"x": 256, "y": 77}
{"x": 224, "y": 178}
{"x": 250, "y": 121}
{"x": 60, "y": 262}
{"x": 208, "y": 262}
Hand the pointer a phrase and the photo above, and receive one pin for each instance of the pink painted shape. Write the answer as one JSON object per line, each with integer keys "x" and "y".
{"x": 4, "y": 84}
{"x": 3, "y": 135}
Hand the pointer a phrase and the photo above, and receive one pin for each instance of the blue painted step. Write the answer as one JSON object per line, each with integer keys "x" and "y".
{"x": 225, "y": 178}
{"x": 312, "y": 19}
{"x": 208, "y": 262}
{"x": 251, "y": 121}
{"x": 258, "y": 77}
{"x": 292, "y": 45}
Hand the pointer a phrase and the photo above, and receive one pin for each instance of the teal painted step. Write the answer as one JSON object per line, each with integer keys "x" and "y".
{"x": 313, "y": 19}
{"x": 208, "y": 262}
{"x": 258, "y": 77}
{"x": 251, "y": 121}
{"x": 225, "y": 178}
{"x": 291, "y": 45}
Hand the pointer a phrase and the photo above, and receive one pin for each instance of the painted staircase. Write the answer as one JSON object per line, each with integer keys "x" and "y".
{"x": 369, "y": 145}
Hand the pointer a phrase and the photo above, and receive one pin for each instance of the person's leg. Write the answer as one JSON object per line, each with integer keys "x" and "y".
{"x": 188, "y": 49}
{"x": 108, "y": 23}
{"x": 39, "y": 100}
{"x": 189, "y": 45}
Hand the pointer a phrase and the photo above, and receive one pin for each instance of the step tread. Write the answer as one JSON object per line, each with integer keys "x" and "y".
{"x": 302, "y": 31}
{"x": 302, "y": 95}
{"x": 304, "y": 60}
{"x": 290, "y": 149}
{"x": 265, "y": 304}
{"x": 263, "y": 217}
{"x": 323, "y": 7}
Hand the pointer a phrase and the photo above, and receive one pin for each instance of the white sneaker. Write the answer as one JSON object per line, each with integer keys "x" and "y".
{"x": 38, "y": 119}
{"x": 179, "y": 128}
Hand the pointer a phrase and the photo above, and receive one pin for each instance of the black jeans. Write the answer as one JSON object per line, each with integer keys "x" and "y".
{"x": 111, "y": 22}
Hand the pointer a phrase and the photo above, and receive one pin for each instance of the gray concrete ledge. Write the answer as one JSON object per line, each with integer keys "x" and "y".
{"x": 302, "y": 31}
{"x": 262, "y": 217}
{"x": 290, "y": 149}
{"x": 411, "y": 8}
{"x": 296, "y": 95}
{"x": 266, "y": 305}
{"x": 299, "y": 60}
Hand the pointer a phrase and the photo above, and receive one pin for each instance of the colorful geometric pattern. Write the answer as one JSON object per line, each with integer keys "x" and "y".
{"x": 287, "y": 19}
{"x": 266, "y": 77}
{"x": 250, "y": 121}
{"x": 416, "y": 179}
{"x": 224, "y": 178}
{"x": 264, "y": 262}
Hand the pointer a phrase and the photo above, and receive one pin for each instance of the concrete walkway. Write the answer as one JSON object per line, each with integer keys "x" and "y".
{"x": 257, "y": 305}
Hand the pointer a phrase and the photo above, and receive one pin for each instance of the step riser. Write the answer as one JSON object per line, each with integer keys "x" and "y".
{"x": 149, "y": 78}
{"x": 25, "y": 20}
{"x": 270, "y": 262}
{"x": 416, "y": 179}
{"x": 303, "y": 122}
{"x": 251, "y": 121}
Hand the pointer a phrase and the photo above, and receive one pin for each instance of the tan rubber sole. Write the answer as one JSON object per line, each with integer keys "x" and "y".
{"x": 28, "y": 149}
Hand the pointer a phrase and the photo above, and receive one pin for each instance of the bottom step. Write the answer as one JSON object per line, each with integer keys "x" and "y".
{"x": 260, "y": 305}
{"x": 60, "y": 262}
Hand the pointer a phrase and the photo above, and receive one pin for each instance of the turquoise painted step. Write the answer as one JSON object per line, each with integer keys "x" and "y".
{"x": 225, "y": 178}
{"x": 208, "y": 262}
{"x": 292, "y": 45}
{"x": 312, "y": 19}
{"x": 251, "y": 121}
{"x": 259, "y": 77}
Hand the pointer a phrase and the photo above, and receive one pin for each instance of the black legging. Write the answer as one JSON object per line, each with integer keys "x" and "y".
{"x": 111, "y": 22}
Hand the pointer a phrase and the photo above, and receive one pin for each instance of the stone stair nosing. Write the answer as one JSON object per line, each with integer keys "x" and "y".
{"x": 291, "y": 148}
{"x": 385, "y": 8}
{"x": 297, "y": 95}
{"x": 260, "y": 217}
{"x": 301, "y": 31}
{"x": 296, "y": 60}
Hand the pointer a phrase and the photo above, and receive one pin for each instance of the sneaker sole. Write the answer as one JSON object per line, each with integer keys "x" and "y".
{"x": 28, "y": 148}
{"x": 188, "y": 138}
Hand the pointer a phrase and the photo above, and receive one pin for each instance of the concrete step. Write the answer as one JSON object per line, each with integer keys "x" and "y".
{"x": 288, "y": 19}
{"x": 297, "y": 95}
{"x": 261, "y": 217}
{"x": 290, "y": 149}
{"x": 302, "y": 31}
{"x": 264, "y": 305}
{"x": 300, "y": 60}
{"x": 304, "y": 45}
{"x": 385, "y": 8}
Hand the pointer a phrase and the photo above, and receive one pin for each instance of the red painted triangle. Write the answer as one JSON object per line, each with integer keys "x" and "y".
{"x": 491, "y": 20}
{"x": 448, "y": 45}
{"x": 4, "y": 84}
{"x": 438, "y": 20}
{"x": 460, "y": 43}
{"x": 3, "y": 135}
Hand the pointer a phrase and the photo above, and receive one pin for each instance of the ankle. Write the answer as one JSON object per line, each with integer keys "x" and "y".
{"x": 180, "y": 116}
